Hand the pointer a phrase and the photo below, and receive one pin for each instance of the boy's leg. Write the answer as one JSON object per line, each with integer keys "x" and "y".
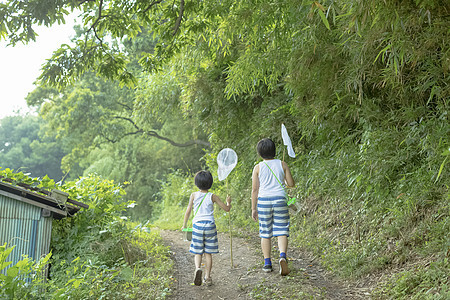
{"x": 282, "y": 243}
{"x": 265, "y": 216}
{"x": 281, "y": 224}
{"x": 281, "y": 230}
{"x": 198, "y": 261}
{"x": 198, "y": 269}
{"x": 208, "y": 263}
{"x": 266, "y": 245}
{"x": 211, "y": 247}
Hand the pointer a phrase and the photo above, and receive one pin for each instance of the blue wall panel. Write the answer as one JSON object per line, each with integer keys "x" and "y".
{"x": 22, "y": 226}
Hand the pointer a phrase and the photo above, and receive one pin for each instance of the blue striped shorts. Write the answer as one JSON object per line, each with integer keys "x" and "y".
{"x": 204, "y": 238}
{"x": 273, "y": 215}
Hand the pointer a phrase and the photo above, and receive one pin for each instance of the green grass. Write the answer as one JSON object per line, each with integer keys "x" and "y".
{"x": 424, "y": 281}
{"x": 408, "y": 246}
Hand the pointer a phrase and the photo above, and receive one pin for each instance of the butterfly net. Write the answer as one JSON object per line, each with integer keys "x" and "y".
{"x": 287, "y": 141}
{"x": 226, "y": 160}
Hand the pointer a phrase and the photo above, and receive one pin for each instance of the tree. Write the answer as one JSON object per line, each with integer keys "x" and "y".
{"x": 23, "y": 148}
{"x": 143, "y": 165}
{"x": 105, "y": 20}
{"x": 109, "y": 135}
{"x": 269, "y": 36}
{"x": 344, "y": 67}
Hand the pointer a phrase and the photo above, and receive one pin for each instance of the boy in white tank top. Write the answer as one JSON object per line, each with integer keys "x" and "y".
{"x": 269, "y": 203}
{"x": 204, "y": 233}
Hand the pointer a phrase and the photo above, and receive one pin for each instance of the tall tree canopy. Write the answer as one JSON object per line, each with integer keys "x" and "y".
{"x": 273, "y": 39}
{"x": 337, "y": 73}
{"x": 24, "y": 148}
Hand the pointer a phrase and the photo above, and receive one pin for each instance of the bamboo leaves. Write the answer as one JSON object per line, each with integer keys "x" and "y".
{"x": 321, "y": 11}
{"x": 382, "y": 52}
{"x": 446, "y": 153}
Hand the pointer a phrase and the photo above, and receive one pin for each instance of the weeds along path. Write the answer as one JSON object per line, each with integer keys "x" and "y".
{"x": 246, "y": 280}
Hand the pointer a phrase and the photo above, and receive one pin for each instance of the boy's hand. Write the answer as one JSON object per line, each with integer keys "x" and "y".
{"x": 228, "y": 200}
{"x": 254, "y": 215}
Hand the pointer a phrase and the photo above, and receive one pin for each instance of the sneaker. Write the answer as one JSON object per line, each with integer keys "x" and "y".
{"x": 207, "y": 281}
{"x": 198, "y": 277}
{"x": 284, "y": 270}
{"x": 267, "y": 268}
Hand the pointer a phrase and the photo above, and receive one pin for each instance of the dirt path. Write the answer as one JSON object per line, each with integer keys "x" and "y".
{"x": 246, "y": 280}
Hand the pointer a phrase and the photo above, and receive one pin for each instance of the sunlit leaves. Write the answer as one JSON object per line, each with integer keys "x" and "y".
{"x": 24, "y": 148}
{"x": 17, "y": 18}
{"x": 321, "y": 12}
{"x": 68, "y": 63}
{"x": 157, "y": 99}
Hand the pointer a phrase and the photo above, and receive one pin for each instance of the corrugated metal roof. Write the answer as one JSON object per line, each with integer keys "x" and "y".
{"x": 50, "y": 200}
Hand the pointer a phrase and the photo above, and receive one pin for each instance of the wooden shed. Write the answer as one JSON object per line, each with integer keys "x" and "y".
{"x": 26, "y": 219}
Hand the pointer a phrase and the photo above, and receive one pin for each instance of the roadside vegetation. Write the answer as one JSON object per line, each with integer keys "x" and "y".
{"x": 95, "y": 254}
{"x": 361, "y": 86}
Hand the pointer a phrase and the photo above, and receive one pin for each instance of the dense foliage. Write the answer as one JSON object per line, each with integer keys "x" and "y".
{"x": 362, "y": 87}
{"x": 23, "y": 147}
{"x": 365, "y": 98}
{"x": 94, "y": 254}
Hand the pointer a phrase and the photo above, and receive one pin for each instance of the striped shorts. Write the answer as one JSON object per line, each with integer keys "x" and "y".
{"x": 273, "y": 215}
{"x": 204, "y": 238}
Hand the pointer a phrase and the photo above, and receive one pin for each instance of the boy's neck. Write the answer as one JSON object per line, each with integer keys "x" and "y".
{"x": 268, "y": 158}
{"x": 204, "y": 191}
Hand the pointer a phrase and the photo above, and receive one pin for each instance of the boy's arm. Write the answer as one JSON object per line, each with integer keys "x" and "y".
{"x": 188, "y": 211}
{"x": 255, "y": 190}
{"x": 225, "y": 207}
{"x": 290, "y": 183}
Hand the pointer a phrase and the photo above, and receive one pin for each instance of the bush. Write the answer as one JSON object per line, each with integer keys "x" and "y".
{"x": 95, "y": 254}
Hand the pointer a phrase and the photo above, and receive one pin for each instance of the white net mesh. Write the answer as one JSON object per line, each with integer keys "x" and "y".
{"x": 287, "y": 141}
{"x": 227, "y": 160}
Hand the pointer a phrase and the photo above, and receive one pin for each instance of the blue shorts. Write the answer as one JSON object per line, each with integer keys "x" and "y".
{"x": 204, "y": 238}
{"x": 273, "y": 215}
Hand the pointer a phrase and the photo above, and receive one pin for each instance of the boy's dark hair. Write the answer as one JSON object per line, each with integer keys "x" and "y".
{"x": 266, "y": 148}
{"x": 203, "y": 180}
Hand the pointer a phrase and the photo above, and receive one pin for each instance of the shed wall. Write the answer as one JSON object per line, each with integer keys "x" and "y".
{"x": 22, "y": 225}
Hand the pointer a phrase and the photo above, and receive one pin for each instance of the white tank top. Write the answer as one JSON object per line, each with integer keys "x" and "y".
{"x": 206, "y": 210}
{"x": 269, "y": 186}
